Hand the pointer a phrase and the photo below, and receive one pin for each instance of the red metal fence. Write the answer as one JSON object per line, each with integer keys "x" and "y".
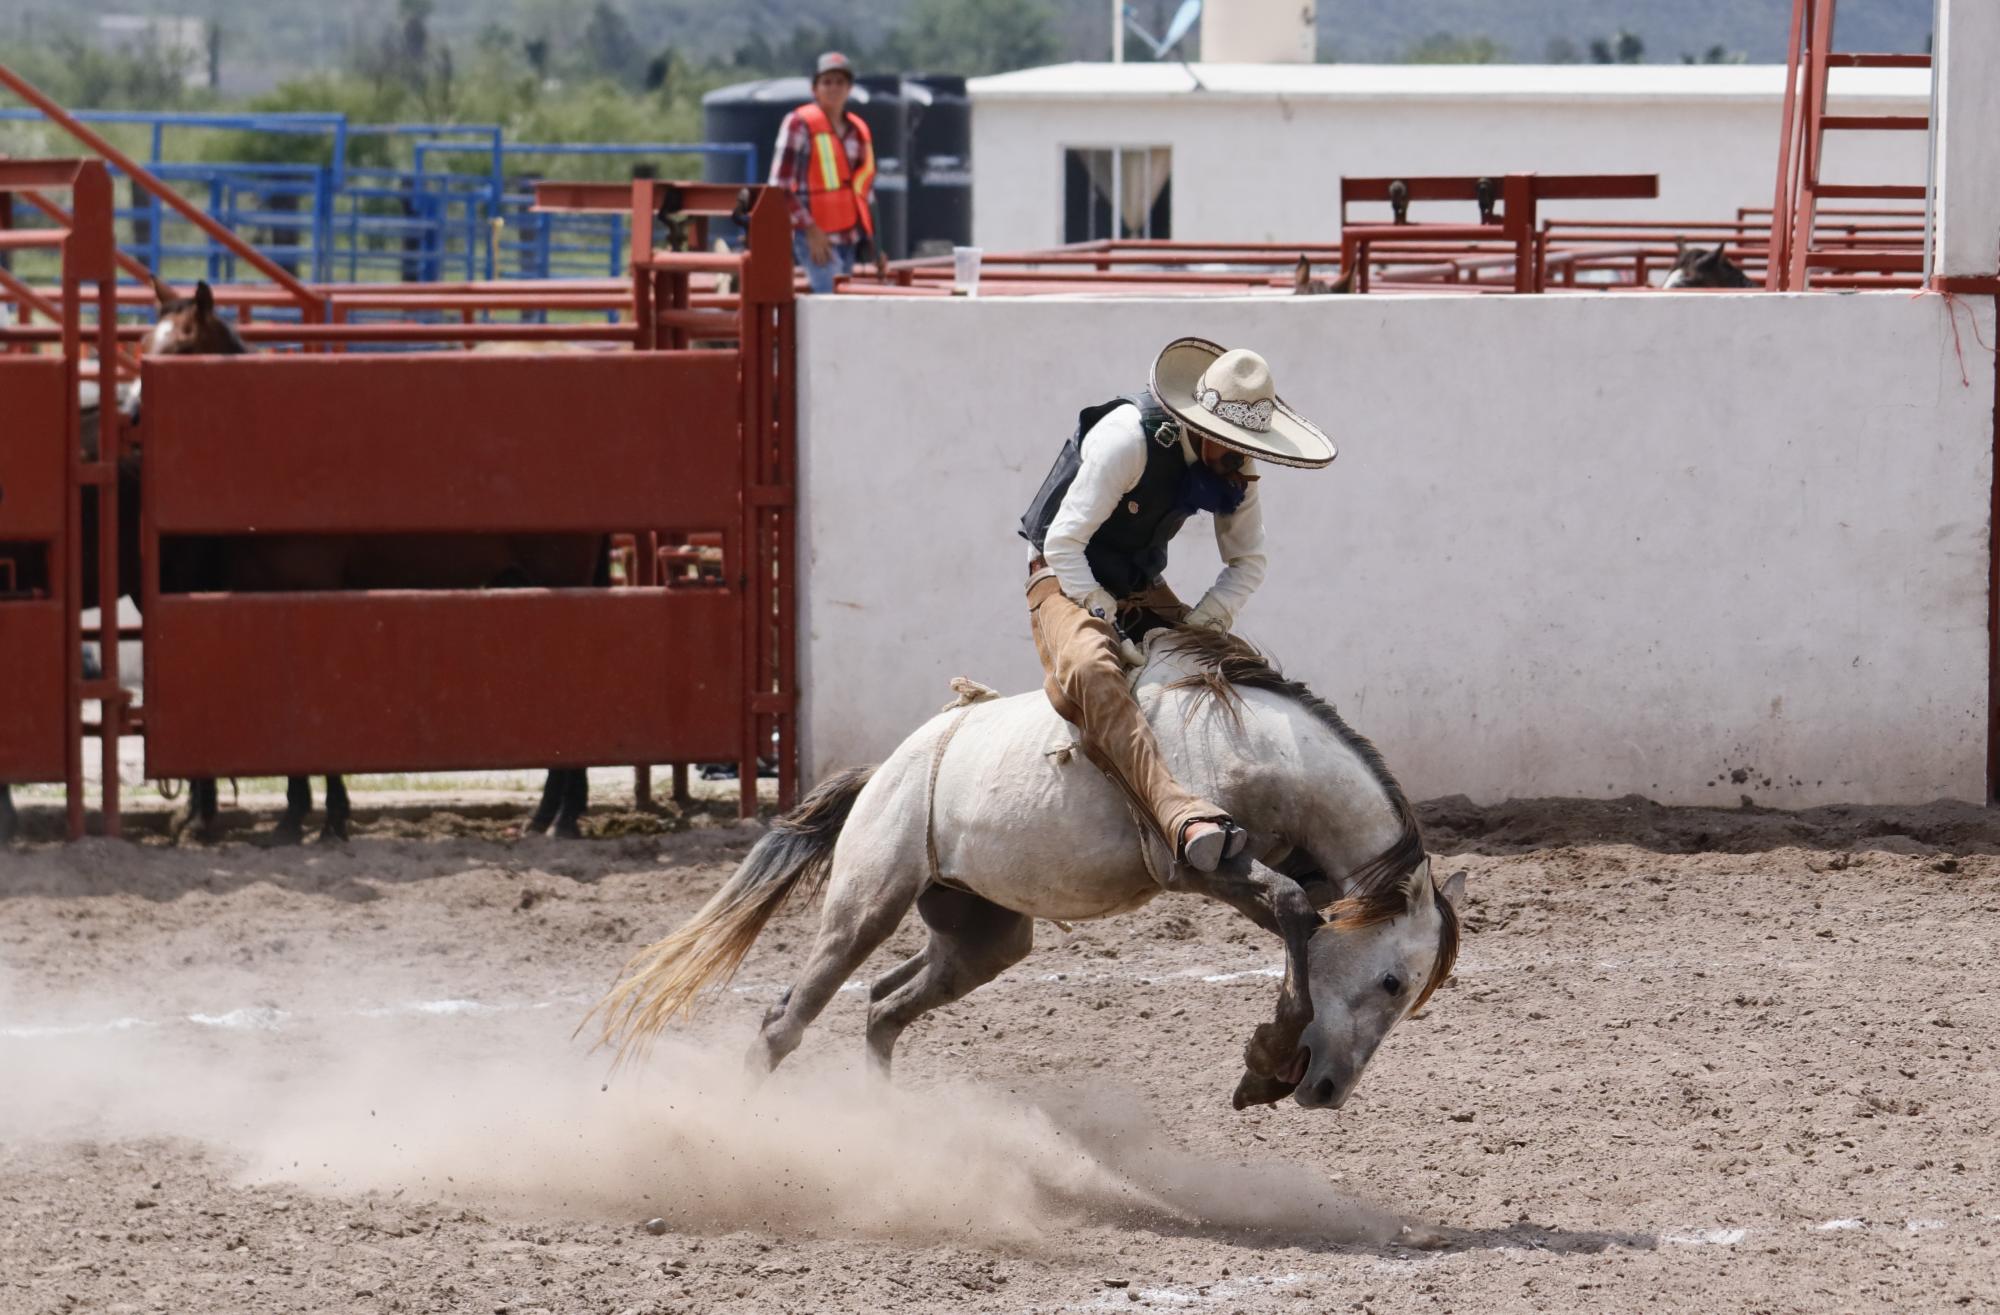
{"x": 662, "y": 444}
{"x": 44, "y": 476}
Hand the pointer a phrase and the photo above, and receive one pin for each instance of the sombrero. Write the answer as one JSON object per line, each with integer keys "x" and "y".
{"x": 1228, "y": 396}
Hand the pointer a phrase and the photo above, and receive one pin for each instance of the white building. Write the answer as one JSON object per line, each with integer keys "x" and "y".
{"x": 1255, "y": 152}
{"x": 1699, "y": 547}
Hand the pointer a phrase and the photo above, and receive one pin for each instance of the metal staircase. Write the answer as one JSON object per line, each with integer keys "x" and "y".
{"x": 1799, "y": 244}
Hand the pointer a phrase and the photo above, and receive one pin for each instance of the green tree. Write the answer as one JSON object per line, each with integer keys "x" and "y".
{"x": 1561, "y": 50}
{"x": 973, "y": 36}
{"x": 610, "y": 49}
{"x": 81, "y": 73}
{"x": 362, "y": 100}
{"x": 1625, "y": 48}
{"x": 1444, "y": 48}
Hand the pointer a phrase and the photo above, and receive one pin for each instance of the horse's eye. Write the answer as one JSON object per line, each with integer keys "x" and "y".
{"x": 1392, "y": 984}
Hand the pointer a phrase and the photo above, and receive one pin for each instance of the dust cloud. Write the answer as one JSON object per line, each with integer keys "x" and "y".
{"x": 495, "y": 1107}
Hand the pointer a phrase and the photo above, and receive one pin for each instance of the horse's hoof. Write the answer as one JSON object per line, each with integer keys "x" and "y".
{"x": 1269, "y": 1051}
{"x": 288, "y": 833}
{"x": 568, "y": 830}
{"x": 196, "y": 831}
{"x": 333, "y": 835}
{"x": 1256, "y": 1089}
{"x": 1422, "y": 1236}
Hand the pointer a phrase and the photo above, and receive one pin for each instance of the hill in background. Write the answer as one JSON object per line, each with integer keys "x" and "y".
{"x": 1370, "y": 31}
{"x": 268, "y": 41}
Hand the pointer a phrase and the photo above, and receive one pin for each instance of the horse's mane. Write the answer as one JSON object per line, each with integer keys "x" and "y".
{"x": 1379, "y": 889}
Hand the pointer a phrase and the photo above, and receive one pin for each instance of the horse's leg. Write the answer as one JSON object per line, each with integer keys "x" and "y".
{"x": 338, "y": 810}
{"x": 896, "y": 976}
{"x": 199, "y": 818}
{"x": 545, "y": 811}
{"x": 972, "y": 942}
{"x": 298, "y": 802}
{"x": 210, "y": 826}
{"x": 575, "y": 799}
{"x": 10, "y": 822}
{"x": 1276, "y": 903}
{"x": 870, "y": 892}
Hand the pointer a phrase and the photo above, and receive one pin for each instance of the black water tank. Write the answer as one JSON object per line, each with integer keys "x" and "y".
{"x": 749, "y": 112}
{"x": 753, "y": 112}
{"x": 938, "y": 162}
{"x": 878, "y": 99}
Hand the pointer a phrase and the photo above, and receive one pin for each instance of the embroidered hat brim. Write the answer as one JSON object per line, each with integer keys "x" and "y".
{"x": 1291, "y": 439}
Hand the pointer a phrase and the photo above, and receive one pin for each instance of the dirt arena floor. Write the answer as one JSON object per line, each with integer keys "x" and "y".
{"x": 1693, "y": 1060}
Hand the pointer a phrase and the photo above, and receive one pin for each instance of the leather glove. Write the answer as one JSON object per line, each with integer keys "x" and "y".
{"x": 1209, "y": 614}
{"x": 1099, "y": 603}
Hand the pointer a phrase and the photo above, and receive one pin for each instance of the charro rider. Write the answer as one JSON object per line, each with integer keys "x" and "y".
{"x": 1130, "y": 476}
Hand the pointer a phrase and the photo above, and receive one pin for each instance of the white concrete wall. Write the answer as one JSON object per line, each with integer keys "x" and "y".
{"x": 1572, "y": 546}
{"x": 1968, "y": 138}
{"x": 1267, "y": 168}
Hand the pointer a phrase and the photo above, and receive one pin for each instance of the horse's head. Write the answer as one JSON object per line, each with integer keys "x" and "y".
{"x": 189, "y": 326}
{"x": 1373, "y": 964}
{"x": 1699, "y": 267}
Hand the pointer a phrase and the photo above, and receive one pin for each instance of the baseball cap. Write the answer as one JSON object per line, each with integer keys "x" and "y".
{"x": 834, "y": 62}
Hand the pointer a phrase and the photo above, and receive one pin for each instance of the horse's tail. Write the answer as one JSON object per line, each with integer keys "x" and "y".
{"x": 663, "y": 980}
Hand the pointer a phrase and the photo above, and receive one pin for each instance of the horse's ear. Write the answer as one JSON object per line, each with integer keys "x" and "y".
{"x": 1680, "y": 246}
{"x": 162, "y": 293}
{"x": 1454, "y": 888}
{"x": 204, "y": 298}
{"x": 1302, "y": 273}
{"x": 1721, "y": 252}
{"x": 1420, "y": 888}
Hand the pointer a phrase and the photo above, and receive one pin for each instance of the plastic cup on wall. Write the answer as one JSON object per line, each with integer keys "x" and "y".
{"x": 965, "y": 271}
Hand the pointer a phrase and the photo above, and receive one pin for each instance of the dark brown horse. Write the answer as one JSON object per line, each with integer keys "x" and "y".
{"x": 1700, "y": 267}
{"x": 189, "y": 326}
{"x": 1305, "y": 285}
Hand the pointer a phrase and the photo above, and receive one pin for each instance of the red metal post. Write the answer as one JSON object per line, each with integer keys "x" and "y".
{"x": 94, "y": 209}
{"x": 1993, "y": 592}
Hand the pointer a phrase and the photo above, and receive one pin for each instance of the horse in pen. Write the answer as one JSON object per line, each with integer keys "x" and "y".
{"x": 191, "y": 326}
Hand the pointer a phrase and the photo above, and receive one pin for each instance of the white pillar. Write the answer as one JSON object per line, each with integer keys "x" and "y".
{"x": 1967, "y": 53}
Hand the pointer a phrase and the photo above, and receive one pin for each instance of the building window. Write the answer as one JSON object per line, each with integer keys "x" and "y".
{"x": 1117, "y": 192}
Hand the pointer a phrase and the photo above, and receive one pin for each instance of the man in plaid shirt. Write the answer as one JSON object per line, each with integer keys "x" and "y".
{"x": 826, "y": 161}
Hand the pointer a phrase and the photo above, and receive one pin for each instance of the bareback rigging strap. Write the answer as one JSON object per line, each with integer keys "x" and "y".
{"x": 969, "y": 692}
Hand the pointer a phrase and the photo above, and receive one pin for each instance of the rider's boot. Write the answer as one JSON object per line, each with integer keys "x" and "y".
{"x": 1206, "y": 842}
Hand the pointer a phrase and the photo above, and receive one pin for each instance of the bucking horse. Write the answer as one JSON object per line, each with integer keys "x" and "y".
{"x": 989, "y": 817}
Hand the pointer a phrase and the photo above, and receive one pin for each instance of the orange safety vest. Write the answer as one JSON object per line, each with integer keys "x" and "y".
{"x": 839, "y": 198}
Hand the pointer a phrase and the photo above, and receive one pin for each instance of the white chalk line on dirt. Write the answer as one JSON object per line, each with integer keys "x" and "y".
{"x": 271, "y": 1017}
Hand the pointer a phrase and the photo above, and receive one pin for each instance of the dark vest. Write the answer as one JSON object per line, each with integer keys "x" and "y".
{"x": 1129, "y": 551}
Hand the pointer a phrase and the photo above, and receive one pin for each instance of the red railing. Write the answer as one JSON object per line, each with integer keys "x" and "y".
{"x": 45, "y": 477}
{"x": 686, "y": 434}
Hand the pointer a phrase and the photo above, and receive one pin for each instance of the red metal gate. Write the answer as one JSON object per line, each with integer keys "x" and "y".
{"x": 43, "y": 479}
{"x": 34, "y": 586}
{"x": 661, "y": 445}
{"x": 242, "y": 684}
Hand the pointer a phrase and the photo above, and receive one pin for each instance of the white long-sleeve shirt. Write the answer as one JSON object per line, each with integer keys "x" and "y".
{"x": 1114, "y": 459}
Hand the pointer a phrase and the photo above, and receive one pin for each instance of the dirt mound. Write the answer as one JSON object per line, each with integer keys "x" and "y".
{"x": 1456, "y": 825}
